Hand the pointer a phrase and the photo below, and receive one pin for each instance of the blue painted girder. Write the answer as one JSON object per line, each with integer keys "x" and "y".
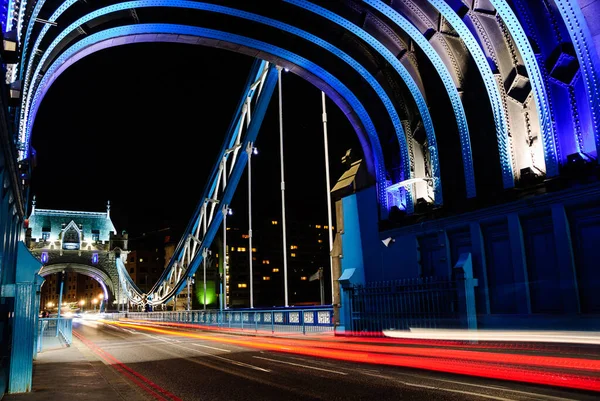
{"x": 239, "y": 166}
{"x": 255, "y": 71}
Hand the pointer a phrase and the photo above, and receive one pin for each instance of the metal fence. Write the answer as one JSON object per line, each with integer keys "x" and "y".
{"x": 60, "y": 329}
{"x": 402, "y": 304}
{"x": 277, "y": 320}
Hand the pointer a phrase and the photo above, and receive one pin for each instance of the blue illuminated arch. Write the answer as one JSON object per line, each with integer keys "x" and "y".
{"x": 404, "y": 155}
{"x": 589, "y": 63}
{"x": 25, "y": 70}
{"x": 491, "y": 86}
{"x": 89, "y": 45}
{"x": 440, "y": 67}
{"x": 537, "y": 84}
{"x": 404, "y": 74}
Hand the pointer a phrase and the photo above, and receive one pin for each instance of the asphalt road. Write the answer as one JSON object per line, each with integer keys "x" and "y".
{"x": 167, "y": 367}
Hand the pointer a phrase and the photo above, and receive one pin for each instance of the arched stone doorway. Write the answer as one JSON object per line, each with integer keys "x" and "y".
{"x": 106, "y": 283}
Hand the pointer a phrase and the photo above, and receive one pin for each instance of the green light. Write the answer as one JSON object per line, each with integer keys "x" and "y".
{"x": 211, "y": 296}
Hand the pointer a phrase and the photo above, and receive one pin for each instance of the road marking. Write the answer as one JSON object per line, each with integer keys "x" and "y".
{"x": 208, "y": 346}
{"x": 458, "y": 391}
{"x": 440, "y": 388}
{"x": 491, "y": 387}
{"x": 302, "y": 366}
{"x": 234, "y": 362}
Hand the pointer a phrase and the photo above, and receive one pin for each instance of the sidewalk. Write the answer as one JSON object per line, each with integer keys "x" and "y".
{"x": 75, "y": 373}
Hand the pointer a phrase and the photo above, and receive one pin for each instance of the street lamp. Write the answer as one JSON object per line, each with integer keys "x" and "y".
{"x": 49, "y": 304}
{"x": 94, "y": 301}
{"x": 81, "y": 303}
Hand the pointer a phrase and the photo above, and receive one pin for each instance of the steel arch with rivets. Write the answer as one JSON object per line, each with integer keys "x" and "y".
{"x": 503, "y": 85}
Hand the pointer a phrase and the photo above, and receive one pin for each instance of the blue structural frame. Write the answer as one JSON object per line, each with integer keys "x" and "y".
{"x": 491, "y": 86}
{"x": 209, "y": 189}
{"x": 327, "y": 77}
{"x": 404, "y": 74}
{"x": 442, "y": 70}
{"x": 537, "y": 84}
{"x": 530, "y": 263}
{"x": 589, "y": 60}
{"x": 267, "y": 21}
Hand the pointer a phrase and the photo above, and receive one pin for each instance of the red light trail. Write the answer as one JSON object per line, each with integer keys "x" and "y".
{"x": 577, "y": 373}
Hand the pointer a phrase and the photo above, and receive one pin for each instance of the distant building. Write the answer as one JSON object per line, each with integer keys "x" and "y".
{"x": 307, "y": 251}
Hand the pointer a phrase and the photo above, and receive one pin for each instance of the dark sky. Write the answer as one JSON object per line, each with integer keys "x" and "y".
{"x": 141, "y": 125}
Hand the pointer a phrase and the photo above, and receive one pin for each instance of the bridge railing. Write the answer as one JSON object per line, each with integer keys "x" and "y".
{"x": 59, "y": 329}
{"x": 303, "y": 321}
{"x": 446, "y": 302}
{"x": 430, "y": 302}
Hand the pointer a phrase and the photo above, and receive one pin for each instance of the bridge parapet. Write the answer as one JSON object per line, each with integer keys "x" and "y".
{"x": 263, "y": 321}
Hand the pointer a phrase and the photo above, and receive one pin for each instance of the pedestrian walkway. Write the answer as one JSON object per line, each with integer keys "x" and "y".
{"x": 75, "y": 373}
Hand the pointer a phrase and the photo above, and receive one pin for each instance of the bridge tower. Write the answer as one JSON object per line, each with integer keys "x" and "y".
{"x": 80, "y": 242}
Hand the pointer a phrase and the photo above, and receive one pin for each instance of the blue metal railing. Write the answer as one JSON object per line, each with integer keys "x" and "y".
{"x": 313, "y": 320}
{"x": 430, "y": 302}
{"x": 53, "y": 327}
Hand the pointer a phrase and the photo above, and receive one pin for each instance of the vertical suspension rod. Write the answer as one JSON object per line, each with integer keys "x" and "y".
{"x": 224, "y": 292}
{"x": 285, "y": 272}
{"x": 204, "y": 250}
{"x": 249, "y": 151}
{"x": 329, "y": 217}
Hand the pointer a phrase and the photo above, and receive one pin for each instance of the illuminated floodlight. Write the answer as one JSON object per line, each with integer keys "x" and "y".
{"x": 230, "y": 211}
{"x": 255, "y": 151}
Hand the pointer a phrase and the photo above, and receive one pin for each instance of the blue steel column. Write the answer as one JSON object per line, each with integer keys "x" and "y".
{"x": 521, "y": 278}
{"x": 480, "y": 268}
{"x": 21, "y": 358}
{"x": 466, "y": 291}
{"x": 569, "y": 291}
{"x": 39, "y": 280}
{"x": 21, "y": 362}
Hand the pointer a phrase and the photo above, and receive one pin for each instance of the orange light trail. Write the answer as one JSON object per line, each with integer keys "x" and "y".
{"x": 481, "y": 364}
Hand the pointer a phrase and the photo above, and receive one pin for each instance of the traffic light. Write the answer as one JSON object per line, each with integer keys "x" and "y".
{"x": 60, "y": 278}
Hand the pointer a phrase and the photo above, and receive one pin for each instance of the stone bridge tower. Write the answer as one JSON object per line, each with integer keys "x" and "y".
{"x": 81, "y": 242}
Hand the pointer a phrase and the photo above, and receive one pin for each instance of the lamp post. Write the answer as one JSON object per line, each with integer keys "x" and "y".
{"x": 94, "y": 302}
{"x": 62, "y": 283}
{"x": 81, "y": 303}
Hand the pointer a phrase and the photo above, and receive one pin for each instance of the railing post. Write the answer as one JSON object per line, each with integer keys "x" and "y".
{"x": 272, "y": 322}
{"x": 302, "y": 320}
{"x": 465, "y": 285}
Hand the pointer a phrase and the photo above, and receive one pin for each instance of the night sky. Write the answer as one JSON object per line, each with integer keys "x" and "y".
{"x": 141, "y": 125}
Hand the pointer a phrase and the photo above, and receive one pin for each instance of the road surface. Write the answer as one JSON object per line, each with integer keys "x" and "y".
{"x": 161, "y": 366}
